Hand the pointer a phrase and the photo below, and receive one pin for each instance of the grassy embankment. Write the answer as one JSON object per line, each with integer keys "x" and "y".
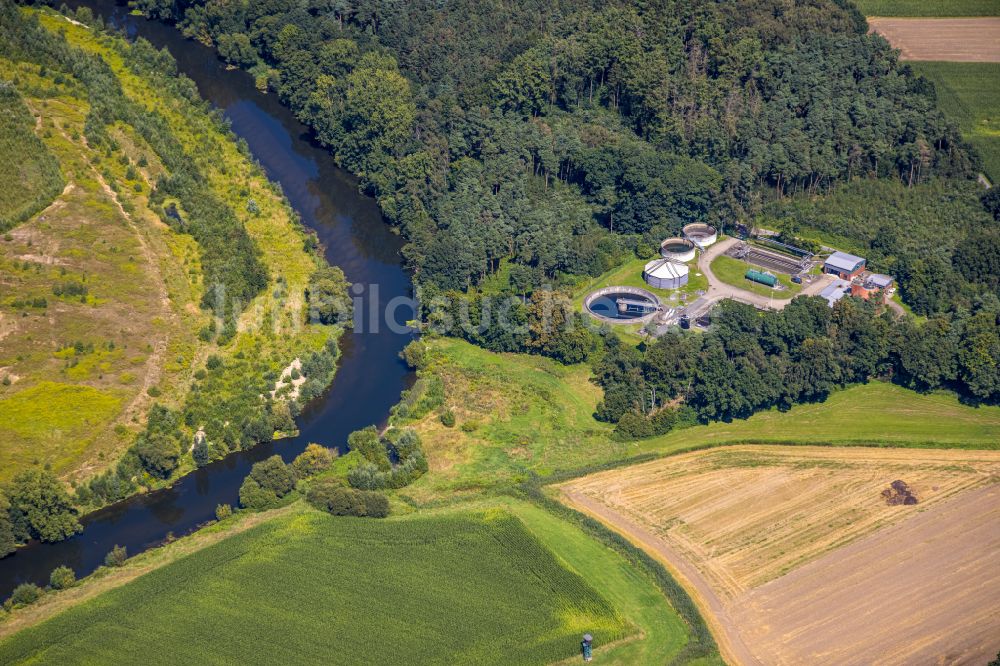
{"x": 520, "y": 415}
{"x": 929, "y": 8}
{"x": 733, "y": 272}
{"x": 968, "y": 94}
{"x": 72, "y": 406}
{"x": 305, "y": 581}
{"x": 137, "y": 324}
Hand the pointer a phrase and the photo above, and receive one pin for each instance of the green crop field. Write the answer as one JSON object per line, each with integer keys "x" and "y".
{"x": 733, "y": 271}
{"x": 311, "y": 588}
{"x": 664, "y": 633}
{"x": 929, "y": 7}
{"x": 30, "y": 180}
{"x": 968, "y": 94}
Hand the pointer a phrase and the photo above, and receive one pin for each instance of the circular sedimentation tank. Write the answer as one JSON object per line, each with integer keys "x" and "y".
{"x": 622, "y": 305}
{"x": 678, "y": 249}
{"x": 665, "y": 274}
{"x": 701, "y": 235}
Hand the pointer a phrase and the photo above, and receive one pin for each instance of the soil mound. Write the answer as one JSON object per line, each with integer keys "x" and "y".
{"x": 898, "y": 493}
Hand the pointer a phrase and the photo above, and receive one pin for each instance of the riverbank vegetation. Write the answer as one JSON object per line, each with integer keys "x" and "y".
{"x": 159, "y": 302}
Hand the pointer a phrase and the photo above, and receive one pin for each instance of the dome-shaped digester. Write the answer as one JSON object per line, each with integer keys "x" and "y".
{"x": 678, "y": 249}
{"x": 665, "y": 274}
{"x": 701, "y": 235}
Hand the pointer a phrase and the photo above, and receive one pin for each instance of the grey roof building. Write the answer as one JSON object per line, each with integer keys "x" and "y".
{"x": 836, "y": 291}
{"x": 842, "y": 263}
{"x": 878, "y": 281}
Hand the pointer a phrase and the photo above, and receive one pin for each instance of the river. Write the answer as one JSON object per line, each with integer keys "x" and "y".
{"x": 370, "y": 374}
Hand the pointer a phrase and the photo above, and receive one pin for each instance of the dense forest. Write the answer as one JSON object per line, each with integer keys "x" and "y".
{"x": 522, "y": 145}
{"x": 539, "y": 141}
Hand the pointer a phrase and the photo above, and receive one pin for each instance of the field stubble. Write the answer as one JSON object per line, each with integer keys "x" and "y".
{"x": 741, "y": 523}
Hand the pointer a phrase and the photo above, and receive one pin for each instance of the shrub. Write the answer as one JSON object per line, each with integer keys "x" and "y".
{"x": 334, "y": 498}
{"x": 327, "y": 296}
{"x": 40, "y": 507}
{"x": 116, "y": 557}
{"x": 407, "y": 444}
{"x": 448, "y": 418}
{"x": 223, "y": 511}
{"x": 200, "y": 450}
{"x": 268, "y": 481}
{"x": 367, "y": 442}
{"x": 367, "y": 477}
{"x": 62, "y": 578}
{"x": 415, "y": 354}
{"x": 24, "y": 594}
{"x": 158, "y": 453}
{"x": 313, "y": 460}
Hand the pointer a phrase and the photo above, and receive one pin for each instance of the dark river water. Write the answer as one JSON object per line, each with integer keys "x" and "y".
{"x": 370, "y": 374}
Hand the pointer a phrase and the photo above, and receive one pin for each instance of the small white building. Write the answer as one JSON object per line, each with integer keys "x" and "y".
{"x": 665, "y": 274}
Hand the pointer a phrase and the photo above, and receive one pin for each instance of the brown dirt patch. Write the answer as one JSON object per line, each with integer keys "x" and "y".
{"x": 949, "y": 39}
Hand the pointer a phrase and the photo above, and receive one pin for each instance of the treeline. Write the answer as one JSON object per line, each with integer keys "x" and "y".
{"x": 517, "y": 142}
{"x": 752, "y": 360}
{"x": 233, "y": 272}
{"x": 29, "y": 178}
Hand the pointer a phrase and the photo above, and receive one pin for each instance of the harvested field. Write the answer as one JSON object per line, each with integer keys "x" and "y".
{"x": 949, "y": 39}
{"x": 737, "y": 524}
{"x": 925, "y": 591}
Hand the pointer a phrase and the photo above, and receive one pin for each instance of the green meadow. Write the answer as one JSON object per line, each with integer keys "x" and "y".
{"x": 928, "y": 8}
{"x": 968, "y": 94}
{"x": 733, "y": 272}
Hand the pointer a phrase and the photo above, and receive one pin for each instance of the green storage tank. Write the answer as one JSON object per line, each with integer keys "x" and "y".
{"x": 763, "y": 278}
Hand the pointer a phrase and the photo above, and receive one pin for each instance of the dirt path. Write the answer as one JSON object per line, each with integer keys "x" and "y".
{"x": 711, "y": 607}
{"x": 949, "y": 39}
{"x": 154, "y": 363}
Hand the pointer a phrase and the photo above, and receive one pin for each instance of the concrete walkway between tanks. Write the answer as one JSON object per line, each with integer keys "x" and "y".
{"x": 719, "y": 290}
